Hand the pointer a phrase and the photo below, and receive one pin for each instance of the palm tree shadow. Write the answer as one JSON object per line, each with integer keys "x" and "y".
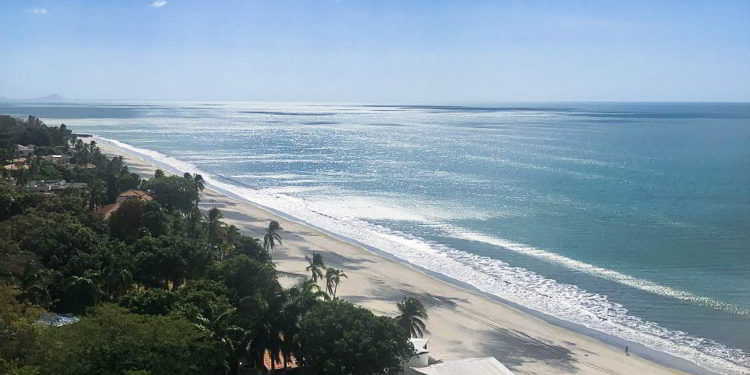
{"x": 514, "y": 348}
{"x": 331, "y": 259}
{"x": 391, "y": 294}
{"x": 511, "y": 347}
{"x": 342, "y": 261}
{"x": 247, "y": 223}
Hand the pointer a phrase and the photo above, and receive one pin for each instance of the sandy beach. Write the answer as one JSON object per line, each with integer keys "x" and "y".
{"x": 462, "y": 323}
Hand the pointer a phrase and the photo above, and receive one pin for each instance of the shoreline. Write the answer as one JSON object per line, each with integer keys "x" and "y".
{"x": 465, "y": 322}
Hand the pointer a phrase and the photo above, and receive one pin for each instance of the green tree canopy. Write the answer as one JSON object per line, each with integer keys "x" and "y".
{"x": 164, "y": 260}
{"x": 113, "y": 341}
{"x": 54, "y": 238}
{"x": 245, "y": 277}
{"x": 203, "y": 297}
{"x": 338, "y": 338}
{"x": 16, "y": 131}
{"x": 17, "y": 334}
{"x": 173, "y": 192}
{"x": 133, "y": 215}
{"x": 252, "y": 248}
{"x": 150, "y": 301}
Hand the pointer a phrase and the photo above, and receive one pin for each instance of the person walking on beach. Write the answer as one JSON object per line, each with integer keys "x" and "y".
{"x": 626, "y": 350}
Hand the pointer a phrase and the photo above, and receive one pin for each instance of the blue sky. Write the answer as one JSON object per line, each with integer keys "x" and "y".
{"x": 376, "y": 51}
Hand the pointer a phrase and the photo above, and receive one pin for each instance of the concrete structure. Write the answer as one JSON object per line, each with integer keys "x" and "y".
{"x": 57, "y": 159}
{"x": 52, "y": 186}
{"x": 25, "y": 151}
{"x": 468, "y": 366}
{"x": 421, "y": 357}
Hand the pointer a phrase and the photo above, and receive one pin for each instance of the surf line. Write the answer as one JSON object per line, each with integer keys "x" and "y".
{"x": 612, "y": 275}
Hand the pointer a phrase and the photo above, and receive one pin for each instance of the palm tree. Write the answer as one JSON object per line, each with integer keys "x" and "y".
{"x": 81, "y": 292}
{"x": 197, "y": 180}
{"x": 224, "y": 249}
{"x": 411, "y": 316}
{"x": 97, "y": 194}
{"x": 232, "y": 234}
{"x": 214, "y": 225}
{"x": 194, "y": 223}
{"x": 308, "y": 291}
{"x": 333, "y": 278}
{"x": 299, "y": 300}
{"x": 220, "y": 327}
{"x": 117, "y": 278}
{"x": 80, "y": 152}
{"x": 315, "y": 267}
{"x": 158, "y": 173}
{"x": 116, "y": 165}
{"x": 200, "y": 183}
{"x": 264, "y": 330}
{"x": 272, "y": 235}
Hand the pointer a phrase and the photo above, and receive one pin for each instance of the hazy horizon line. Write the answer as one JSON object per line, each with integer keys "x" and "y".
{"x": 40, "y": 100}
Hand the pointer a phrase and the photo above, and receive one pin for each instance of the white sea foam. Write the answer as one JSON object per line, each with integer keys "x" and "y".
{"x": 273, "y": 176}
{"x": 493, "y": 276}
{"x": 290, "y": 189}
{"x": 518, "y": 164}
{"x": 633, "y": 282}
{"x": 210, "y": 157}
{"x": 390, "y": 208}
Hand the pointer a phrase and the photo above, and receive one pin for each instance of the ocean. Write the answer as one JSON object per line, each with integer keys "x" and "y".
{"x": 630, "y": 219}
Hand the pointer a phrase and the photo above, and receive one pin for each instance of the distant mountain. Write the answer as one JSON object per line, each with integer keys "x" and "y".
{"x": 52, "y": 98}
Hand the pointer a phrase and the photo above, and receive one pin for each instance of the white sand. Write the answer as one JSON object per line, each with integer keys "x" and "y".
{"x": 462, "y": 323}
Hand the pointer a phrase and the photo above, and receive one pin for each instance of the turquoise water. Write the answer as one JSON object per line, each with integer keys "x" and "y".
{"x": 632, "y": 219}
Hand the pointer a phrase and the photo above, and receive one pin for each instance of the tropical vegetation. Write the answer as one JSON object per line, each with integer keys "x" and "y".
{"x": 411, "y": 316}
{"x": 160, "y": 286}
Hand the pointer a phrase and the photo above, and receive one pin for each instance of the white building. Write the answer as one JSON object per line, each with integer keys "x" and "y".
{"x": 467, "y": 366}
{"x": 50, "y": 186}
{"x": 25, "y": 151}
{"x": 57, "y": 159}
{"x": 421, "y": 358}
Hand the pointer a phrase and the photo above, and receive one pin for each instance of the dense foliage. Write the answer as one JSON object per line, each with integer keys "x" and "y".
{"x": 113, "y": 341}
{"x": 338, "y": 338}
{"x": 14, "y": 131}
{"x": 159, "y": 287}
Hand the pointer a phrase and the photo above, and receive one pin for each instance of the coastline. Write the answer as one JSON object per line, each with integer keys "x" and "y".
{"x": 463, "y": 321}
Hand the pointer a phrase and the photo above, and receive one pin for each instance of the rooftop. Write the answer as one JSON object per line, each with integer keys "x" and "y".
{"x": 15, "y": 167}
{"x": 140, "y": 194}
{"x": 107, "y": 210}
{"x": 53, "y": 185}
{"x": 473, "y": 366}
